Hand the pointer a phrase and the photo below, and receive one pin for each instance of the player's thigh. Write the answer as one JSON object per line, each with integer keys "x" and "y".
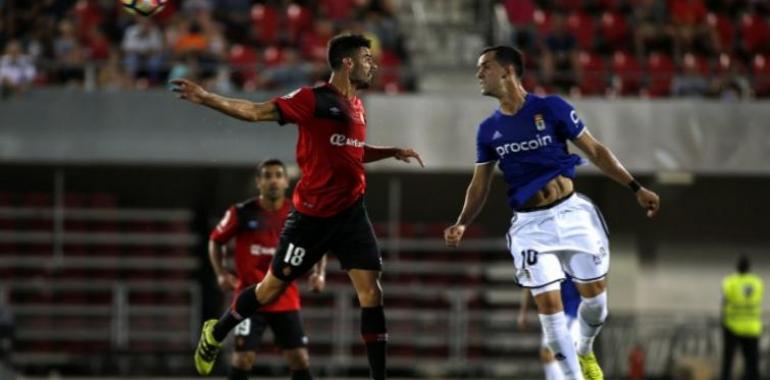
{"x": 304, "y": 240}
{"x": 537, "y": 271}
{"x": 588, "y": 270}
{"x": 355, "y": 243}
{"x": 287, "y": 330}
{"x": 248, "y": 333}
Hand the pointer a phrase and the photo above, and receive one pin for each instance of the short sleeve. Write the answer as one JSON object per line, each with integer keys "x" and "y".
{"x": 226, "y": 228}
{"x": 568, "y": 123}
{"x": 484, "y": 153}
{"x": 295, "y": 107}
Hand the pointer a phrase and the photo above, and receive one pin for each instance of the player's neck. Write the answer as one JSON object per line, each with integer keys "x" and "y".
{"x": 513, "y": 100}
{"x": 270, "y": 204}
{"x": 342, "y": 84}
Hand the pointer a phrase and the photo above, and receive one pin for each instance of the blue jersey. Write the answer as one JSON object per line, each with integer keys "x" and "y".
{"x": 531, "y": 145}
{"x": 570, "y": 298}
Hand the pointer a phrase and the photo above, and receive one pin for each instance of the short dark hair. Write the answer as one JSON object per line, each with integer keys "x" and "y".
{"x": 744, "y": 265}
{"x": 270, "y": 162}
{"x": 507, "y": 55}
{"x": 345, "y": 46}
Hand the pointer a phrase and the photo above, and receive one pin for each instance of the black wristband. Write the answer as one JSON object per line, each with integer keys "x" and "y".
{"x": 634, "y": 185}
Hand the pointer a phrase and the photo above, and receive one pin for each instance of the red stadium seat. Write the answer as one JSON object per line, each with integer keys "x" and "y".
{"x": 593, "y": 73}
{"x": 661, "y": 69}
{"x": 581, "y": 25}
{"x": 724, "y": 28}
{"x": 755, "y": 33}
{"x": 570, "y": 5}
{"x": 299, "y": 20}
{"x": 699, "y": 63}
{"x": 760, "y": 70}
{"x": 273, "y": 56}
{"x": 614, "y": 29}
{"x": 243, "y": 61}
{"x": 542, "y": 22}
{"x": 627, "y": 73}
{"x": 264, "y": 22}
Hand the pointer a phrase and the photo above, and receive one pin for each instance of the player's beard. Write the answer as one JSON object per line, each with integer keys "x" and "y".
{"x": 359, "y": 80}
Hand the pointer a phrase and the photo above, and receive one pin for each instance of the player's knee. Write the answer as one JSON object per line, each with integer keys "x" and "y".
{"x": 244, "y": 360}
{"x": 594, "y": 308}
{"x": 370, "y": 295}
{"x": 269, "y": 291}
{"x": 298, "y": 359}
{"x": 591, "y": 289}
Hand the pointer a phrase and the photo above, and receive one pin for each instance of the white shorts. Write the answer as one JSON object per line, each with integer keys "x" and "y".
{"x": 569, "y": 237}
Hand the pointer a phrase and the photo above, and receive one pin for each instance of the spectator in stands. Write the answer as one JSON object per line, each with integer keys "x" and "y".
{"x": 521, "y": 15}
{"x": 143, "y": 49}
{"x": 291, "y": 73}
{"x": 68, "y": 54}
{"x": 111, "y": 75}
{"x": 688, "y": 18}
{"x": 560, "y": 58}
{"x": 17, "y": 71}
{"x": 690, "y": 82}
{"x": 652, "y": 31}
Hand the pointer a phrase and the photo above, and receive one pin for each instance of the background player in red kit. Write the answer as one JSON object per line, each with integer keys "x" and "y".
{"x": 329, "y": 210}
{"x": 256, "y": 226}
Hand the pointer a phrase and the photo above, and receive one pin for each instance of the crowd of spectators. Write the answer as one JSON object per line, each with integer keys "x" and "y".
{"x": 229, "y": 44}
{"x": 655, "y": 48}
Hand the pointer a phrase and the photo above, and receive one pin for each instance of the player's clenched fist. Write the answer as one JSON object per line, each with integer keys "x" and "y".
{"x": 188, "y": 90}
{"x": 453, "y": 235}
{"x": 649, "y": 200}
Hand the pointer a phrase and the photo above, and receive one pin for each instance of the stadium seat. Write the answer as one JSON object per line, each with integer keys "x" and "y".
{"x": 593, "y": 72}
{"x": 582, "y": 26}
{"x": 299, "y": 20}
{"x": 724, "y": 28}
{"x": 760, "y": 70}
{"x": 754, "y": 33}
{"x": 614, "y": 30}
{"x": 243, "y": 60}
{"x": 265, "y": 23}
{"x": 627, "y": 73}
{"x": 661, "y": 71}
{"x": 542, "y": 22}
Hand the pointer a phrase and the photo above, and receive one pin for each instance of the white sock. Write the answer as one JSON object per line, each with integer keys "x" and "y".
{"x": 592, "y": 314}
{"x": 552, "y": 371}
{"x": 558, "y": 340}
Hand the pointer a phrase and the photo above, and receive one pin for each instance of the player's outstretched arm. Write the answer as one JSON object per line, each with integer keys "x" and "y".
{"x": 605, "y": 160}
{"x": 475, "y": 197}
{"x": 376, "y": 153}
{"x": 238, "y": 108}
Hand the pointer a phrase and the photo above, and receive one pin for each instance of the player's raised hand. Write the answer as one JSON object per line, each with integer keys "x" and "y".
{"x": 227, "y": 281}
{"x": 649, "y": 201}
{"x": 406, "y": 154}
{"x": 188, "y": 90}
{"x": 453, "y": 234}
{"x": 317, "y": 282}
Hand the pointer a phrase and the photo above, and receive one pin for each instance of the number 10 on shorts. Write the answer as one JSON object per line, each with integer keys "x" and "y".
{"x": 294, "y": 255}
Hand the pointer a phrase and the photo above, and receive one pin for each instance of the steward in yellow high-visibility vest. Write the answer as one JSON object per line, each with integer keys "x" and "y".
{"x": 742, "y": 294}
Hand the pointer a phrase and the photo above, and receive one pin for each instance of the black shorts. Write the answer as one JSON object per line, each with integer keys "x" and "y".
{"x": 286, "y": 326}
{"x": 305, "y": 239}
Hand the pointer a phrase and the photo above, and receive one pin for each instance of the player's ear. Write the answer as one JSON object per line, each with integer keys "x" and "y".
{"x": 347, "y": 62}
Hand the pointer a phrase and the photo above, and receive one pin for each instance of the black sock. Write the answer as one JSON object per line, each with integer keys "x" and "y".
{"x": 301, "y": 374}
{"x": 376, "y": 339}
{"x": 238, "y": 374}
{"x": 245, "y": 306}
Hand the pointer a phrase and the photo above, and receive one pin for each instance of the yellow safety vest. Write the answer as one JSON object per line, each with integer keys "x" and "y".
{"x": 743, "y": 304}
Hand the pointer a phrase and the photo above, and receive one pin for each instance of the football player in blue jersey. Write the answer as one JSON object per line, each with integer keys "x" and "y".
{"x": 554, "y": 231}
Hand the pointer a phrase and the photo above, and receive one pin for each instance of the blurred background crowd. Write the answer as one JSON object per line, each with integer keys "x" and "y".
{"x": 716, "y": 48}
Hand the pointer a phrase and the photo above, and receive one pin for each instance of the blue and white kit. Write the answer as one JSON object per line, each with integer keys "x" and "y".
{"x": 568, "y": 237}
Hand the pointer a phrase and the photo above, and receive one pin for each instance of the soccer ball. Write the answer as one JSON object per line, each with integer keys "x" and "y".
{"x": 143, "y": 7}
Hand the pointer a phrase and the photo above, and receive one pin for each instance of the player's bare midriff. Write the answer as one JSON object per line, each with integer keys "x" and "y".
{"x": 553, "y": 191}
